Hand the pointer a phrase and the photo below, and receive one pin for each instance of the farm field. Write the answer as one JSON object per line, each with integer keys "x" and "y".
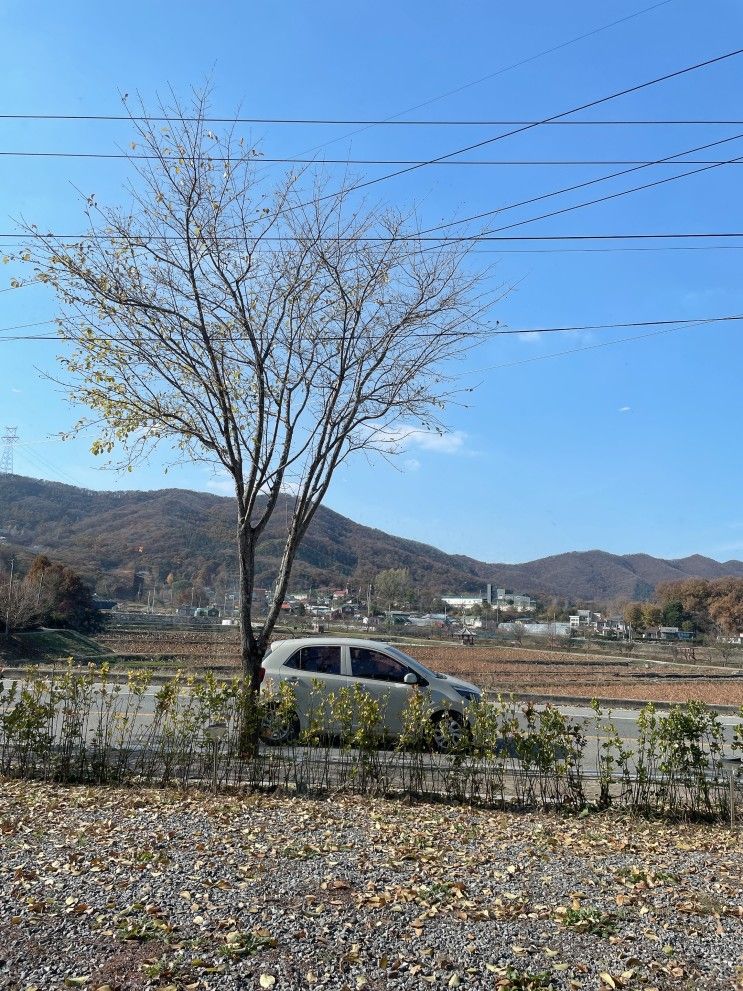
{"x": 498, "y": 668}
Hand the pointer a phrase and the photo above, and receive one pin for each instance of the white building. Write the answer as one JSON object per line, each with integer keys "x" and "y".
{"x": 463, "y": 601}
{"x": 506, "y": 599}
{"x": 537, "y": 629}
{"x": 584, "y": 618}
{"x": 493, "y": 596}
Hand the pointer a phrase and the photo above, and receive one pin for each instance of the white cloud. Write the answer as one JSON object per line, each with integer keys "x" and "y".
{"x": 530, "y": 336}
{"x": 450, "y": 443}
{"x": 625, "y": 409}
{"x": 222, "y": 486}
{"x": 411, "y": 464}
{"x": 406, "y": 438}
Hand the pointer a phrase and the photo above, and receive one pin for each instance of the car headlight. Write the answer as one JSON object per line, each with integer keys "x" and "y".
{"x": 468, "y": 694}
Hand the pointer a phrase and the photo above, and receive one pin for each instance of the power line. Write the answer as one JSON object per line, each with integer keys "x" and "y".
{"x": 520, "y": 130}
{"x": 588, "y": 251}
{"x": 605, "y": 198}
{"x": 500, "y": 332}
{"x": 501, "y": 122}
{"x": 539, "y": 251}
{"x": 394, "y": 118}
{"x": 585, "y": 106}
{"x": 666, "y": 160}
{"x": 617, "y": 326}
{"x": 124, "y": 156}
{"x": 591, "y": 347}
{"x": 41, "y": 462}
{"x": 23, "y": 326}
{"x": 486, "y": 236}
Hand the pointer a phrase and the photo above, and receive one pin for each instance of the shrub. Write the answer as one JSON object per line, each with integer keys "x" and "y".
{"x": 88, "y": 727}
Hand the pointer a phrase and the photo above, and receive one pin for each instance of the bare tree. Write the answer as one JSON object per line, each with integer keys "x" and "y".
{"x": 519, "y": 631}
{"x": 272, "y": 333}
{"x": 21, "y": 604}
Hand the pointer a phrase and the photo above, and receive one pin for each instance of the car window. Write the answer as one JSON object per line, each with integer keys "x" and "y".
{"x": 366, "y": 663}
{"x": 316, "y": 659}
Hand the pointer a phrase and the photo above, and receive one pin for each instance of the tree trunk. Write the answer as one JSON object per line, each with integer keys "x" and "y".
{"x": 251, "y": 649}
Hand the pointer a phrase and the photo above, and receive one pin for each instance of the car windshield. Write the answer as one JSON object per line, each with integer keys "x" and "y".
{"x": 400, "y": 654}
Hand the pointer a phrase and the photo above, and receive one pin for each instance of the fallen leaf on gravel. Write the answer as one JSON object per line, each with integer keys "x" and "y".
{"x": 432, "y": 880}
{"x": 339, "y": 884}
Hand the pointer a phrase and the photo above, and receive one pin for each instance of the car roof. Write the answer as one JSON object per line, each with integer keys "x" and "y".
{"x": 333, "y": 642}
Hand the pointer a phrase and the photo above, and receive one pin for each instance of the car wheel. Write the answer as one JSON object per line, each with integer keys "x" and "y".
{"x": 278, "y": 729}
{"x": 449, "y": 732}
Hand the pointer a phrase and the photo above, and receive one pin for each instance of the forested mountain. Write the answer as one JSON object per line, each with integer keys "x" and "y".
{"x": 112, "y": 537}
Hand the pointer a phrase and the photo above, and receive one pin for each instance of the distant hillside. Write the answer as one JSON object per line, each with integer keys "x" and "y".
{"x": 112, "y": 536}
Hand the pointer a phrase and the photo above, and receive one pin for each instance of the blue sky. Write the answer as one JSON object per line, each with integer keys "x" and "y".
{"x": 626, "y": 447}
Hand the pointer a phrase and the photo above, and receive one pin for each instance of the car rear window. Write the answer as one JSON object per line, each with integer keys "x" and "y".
{"x": 316, "y": 659}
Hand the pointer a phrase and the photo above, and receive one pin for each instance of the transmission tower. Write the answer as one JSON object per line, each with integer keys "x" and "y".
{"x": 9, "y": 439}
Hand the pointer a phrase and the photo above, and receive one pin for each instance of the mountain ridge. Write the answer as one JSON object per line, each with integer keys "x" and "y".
{"x": 110, "y": 537}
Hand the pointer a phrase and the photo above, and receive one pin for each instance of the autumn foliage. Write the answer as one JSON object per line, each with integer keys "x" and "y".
{"x": 49, "y": 594}
{"x": 707, "y": 605}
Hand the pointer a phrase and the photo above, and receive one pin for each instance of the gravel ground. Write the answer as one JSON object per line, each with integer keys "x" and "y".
{"x": 125, "y": 889}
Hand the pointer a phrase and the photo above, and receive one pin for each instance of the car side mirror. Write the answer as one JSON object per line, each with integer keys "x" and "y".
{"x": 411, "y": 678}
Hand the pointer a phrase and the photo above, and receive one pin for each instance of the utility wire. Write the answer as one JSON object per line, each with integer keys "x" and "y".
{"x": 599, "y": 199}
{"x": 707, "y": 122}
{"x": 425, "y": 234}
{"x": 500, "y": 332}
{"x": 610, "y": 196}
{"x": 394, "y": 118}
{"x": 23, "y": 326}
{"x": 590, "y": 251}
{"x": 39, "y": 461}
{"x": 667, "y": 160}
{"x": 620, "y": 326}
{"x": 530, "y": 251}
{"x": 585, "y": 106}
{"x": 485, "y": 236}
{"x": 385, "y": 161}
{"x": 523, "y": 126}
{"x": 520, "y": 130}
{"x": 591, "y": 347}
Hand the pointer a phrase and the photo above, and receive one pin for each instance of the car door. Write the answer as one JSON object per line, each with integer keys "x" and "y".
{"x": 382, "y": 677}
{"x": 314, "y": 671}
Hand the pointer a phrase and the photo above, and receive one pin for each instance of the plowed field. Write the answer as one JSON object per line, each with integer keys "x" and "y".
{"x": 506, "y": 669}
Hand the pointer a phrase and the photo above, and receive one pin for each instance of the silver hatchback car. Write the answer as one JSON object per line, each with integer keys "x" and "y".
{"x": 317, "y": 666}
